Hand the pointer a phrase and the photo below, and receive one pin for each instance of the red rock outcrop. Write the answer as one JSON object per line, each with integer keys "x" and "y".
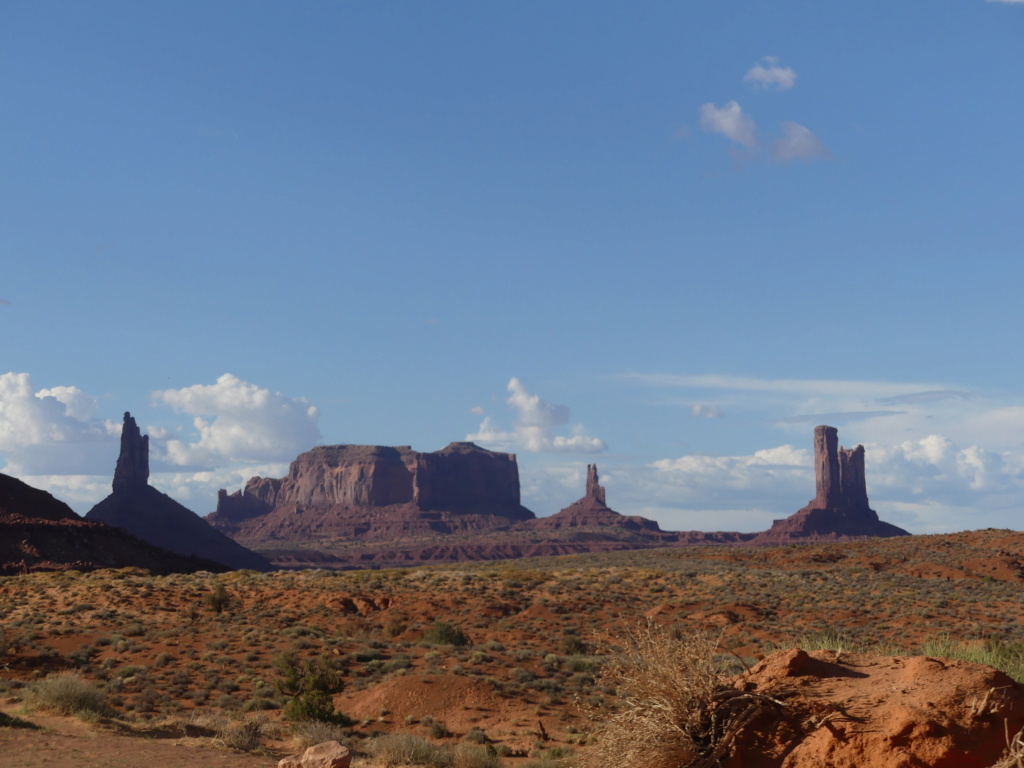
{"x": 377, "y": 492}
{"x": 41, "y": 533}
{"x": 839, "y": 509}
{"x": 141, "y": 510}
{"x": 592, "y": 512}
{"x": 853, "y": 710}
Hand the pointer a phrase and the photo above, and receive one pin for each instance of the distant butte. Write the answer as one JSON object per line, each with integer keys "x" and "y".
{"x": 591, "y": 511}
{"x": 839, "y": 509}
{"x": 141, "y": 510}
{"x": 374, "y": 492}
{"x": 351, "y": 506}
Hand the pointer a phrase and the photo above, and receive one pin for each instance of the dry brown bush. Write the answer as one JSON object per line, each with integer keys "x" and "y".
{"x": 675, "y": 708}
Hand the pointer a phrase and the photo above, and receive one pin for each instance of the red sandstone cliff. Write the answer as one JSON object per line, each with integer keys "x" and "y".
{"x": 839, "y": 509}
{"x": 376, "y": 492}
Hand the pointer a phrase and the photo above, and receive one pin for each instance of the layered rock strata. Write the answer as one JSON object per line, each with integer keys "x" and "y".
{"x": 839, "y": 509}
{"x": 143, "y": 511}
{"x": 377, "y": 492}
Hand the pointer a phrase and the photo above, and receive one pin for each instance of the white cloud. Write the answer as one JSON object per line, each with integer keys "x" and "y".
{"x": 834, "y": 387}
{"x": 798, "y": 143}
{"x": 706, "y": 411}
{"x": 51, "y": 431}
{"x": 477, "y": 410}
{"x": 535, "y": 427}
{"x": 52, "y": 439}
{"x": 237, "y": 422}
{"x": 770, "y": 74}
{"x": 730, "y": 121}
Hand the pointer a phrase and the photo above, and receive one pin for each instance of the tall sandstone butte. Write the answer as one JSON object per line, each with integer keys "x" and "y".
{"x": 839, "y": 509}
{"x": 377, "y": 492}
{"x": 141, "y": 510}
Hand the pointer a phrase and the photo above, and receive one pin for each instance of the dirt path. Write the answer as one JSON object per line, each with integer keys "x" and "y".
{"x": 78, "y": 744}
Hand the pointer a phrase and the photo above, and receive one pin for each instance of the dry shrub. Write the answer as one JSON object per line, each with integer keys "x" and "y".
{"x": 675, "y": 709}
{"x": 1013, "y": 757}
{"x": 243, "y": 735}
{"x": 66, "y": 693}
{"x": 309, "y": 733}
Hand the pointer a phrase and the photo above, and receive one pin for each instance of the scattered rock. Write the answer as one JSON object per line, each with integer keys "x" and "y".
{"x": 329, "y": 754}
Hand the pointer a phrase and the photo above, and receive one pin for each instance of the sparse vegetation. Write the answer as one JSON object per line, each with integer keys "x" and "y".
{"x": 445, "y": 633}
{"x": 675, "y": 707}
{"x": 218, "y": 600}
{"x": 66, "y": 693}
{"x": 309, "y": 685}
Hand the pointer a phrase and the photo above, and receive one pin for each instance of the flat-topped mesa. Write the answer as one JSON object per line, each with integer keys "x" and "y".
{"x": 377, "y": 492}
{"x": 132, "y": 469}
{"x": 594, "y": 490}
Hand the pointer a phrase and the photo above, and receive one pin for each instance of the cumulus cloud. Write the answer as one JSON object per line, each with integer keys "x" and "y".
{"x": 535, "y": 427}
{"x": 706, "y": 411}
{"x": 730, "y": 121}
{"x": 771, "y": 75}
{"x": 926, "y": 485}
{"x": 237, "y": 421}
{"x": 51, "y": 431}
{"x": 798, "y": 143}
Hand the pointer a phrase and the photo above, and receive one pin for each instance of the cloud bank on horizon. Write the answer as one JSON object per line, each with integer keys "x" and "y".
{"x": 939, "y": 458}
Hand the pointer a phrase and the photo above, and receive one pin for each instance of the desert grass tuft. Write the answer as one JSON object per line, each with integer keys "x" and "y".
{"x": 308, "y": 733}
{"x": 676, "y": 707}
{"x": 66, "y": 693}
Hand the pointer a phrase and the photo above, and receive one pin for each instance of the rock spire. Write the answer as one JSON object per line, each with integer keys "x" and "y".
{"x": 593, "y": 489}
{"x": 839, "y": 509}
{"x": 838, "y": 472}
{"x": 132, "y": 470}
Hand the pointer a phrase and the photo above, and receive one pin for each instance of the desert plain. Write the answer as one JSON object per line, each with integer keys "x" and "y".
{"x": 508, "y": 659}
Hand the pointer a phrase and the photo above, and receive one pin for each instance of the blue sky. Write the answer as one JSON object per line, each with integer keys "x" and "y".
{"x": 668, "y": 239}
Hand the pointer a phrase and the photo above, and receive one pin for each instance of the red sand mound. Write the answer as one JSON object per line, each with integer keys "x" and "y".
{"x": 852, "y": 710}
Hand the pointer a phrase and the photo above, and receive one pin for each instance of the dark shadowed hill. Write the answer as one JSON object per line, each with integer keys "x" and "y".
{"x": 41, "y": 533}
{"x": 137, "y": 507}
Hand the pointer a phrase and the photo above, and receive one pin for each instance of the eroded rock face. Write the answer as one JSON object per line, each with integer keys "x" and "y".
{"x": 372, "y": 492}
{"x": 132, "y": 470}
{"x": 594, "y": 489}
{"x": 853, "y": 710}
{"x": 592, "y": 512}
{"x": 144, "y": 512}
{"x": 839, "y": 509}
